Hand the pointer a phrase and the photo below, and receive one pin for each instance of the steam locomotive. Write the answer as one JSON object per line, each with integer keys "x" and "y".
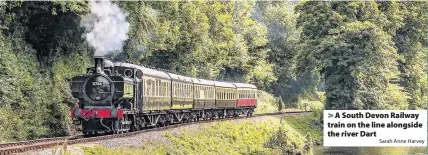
{"x": 121, "y": 97}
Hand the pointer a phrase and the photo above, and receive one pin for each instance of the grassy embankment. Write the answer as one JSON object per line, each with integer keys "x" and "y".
{"x": 309, "y": 124}
{"x": 291, "y": 135}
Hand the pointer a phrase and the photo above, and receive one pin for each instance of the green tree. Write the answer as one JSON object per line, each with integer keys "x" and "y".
{"x": 410, "y": 41}
{"x": 348, "y": 44}
{"x": 212, "y": 40}
{"x": 40, "y": 37}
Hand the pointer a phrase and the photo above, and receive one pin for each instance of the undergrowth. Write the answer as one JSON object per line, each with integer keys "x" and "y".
{"x": 308, "y": 124}
{"x": 266, "y": 103}
{"x": 224, "y": 138}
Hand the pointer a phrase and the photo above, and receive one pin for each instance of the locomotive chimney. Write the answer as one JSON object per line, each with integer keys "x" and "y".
{"x": 99, "y": 64}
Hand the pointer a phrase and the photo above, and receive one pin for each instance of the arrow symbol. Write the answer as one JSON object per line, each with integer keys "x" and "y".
{"x": 330, "y": 115}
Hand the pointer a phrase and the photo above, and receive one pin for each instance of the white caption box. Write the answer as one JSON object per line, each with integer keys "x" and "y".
{"x": 375, "y": 136}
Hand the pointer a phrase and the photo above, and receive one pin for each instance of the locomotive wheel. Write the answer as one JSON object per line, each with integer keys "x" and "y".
{"x": 136, "y": 126}
{"x": 86, "y": 133}
{"x": 161, "y": 121}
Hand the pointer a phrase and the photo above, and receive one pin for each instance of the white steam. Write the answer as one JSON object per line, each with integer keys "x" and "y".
{"x": 106, "y": 27}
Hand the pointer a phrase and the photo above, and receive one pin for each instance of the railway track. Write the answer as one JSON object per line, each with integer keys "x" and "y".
{"x": 24, "y": 146}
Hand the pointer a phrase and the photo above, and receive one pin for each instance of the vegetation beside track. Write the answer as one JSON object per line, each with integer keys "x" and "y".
{"x": 270, "y": 135}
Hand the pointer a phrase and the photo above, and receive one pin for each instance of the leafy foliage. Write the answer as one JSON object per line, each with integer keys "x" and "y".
{"x": 352, "y": 45}
{"x": 363, "y": 55}
{"x": 33, "y": 74}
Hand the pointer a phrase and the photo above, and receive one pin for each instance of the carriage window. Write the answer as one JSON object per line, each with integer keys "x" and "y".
{"x": 169, "y": 89}
{"x": 157, "y": 87}
{"x": 185, "y": 90}
{"x": 224, "y": 94}
{"x": 150, "y": 87}
{"x": 229, "y": 95}
{"x": 146, "y": 89}
{"x": 186, "y": 93}
{"x": 196, "y": 90}
{"x": 180, "y": 90}
{"x": 243, "y": 93}
{"x": 219, "y": 95}
{"x": 254, "y": 93}
{"x": 175, "y": 89}
{"x": 165, "y": 88}
{"x": 153, "y": 88}
{"x": 160, "y": 89}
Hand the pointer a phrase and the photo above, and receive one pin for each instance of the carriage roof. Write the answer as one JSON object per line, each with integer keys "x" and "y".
{"x": 202, "y": 82}
{"x": 180, "y": 77}
{"x": 165, "y": 75}
{"x": 146, "y": 71}
{"x": 224, "y": 84}
{"x": 244, "y": 85}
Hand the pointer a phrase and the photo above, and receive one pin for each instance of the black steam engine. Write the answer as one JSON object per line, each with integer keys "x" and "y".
{"x": 104, "y": 96}
{"x": 121, "y": 97}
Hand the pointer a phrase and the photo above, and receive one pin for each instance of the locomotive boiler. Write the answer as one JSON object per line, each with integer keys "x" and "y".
{"x": 121, "y": 97}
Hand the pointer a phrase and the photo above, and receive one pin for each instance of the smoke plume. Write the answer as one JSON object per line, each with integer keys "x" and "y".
{"x": 106, "y": 27}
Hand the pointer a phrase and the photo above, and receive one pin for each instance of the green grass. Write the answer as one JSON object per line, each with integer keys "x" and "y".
{"x": 307, "y": 124}
{"x": 224, "y": 138}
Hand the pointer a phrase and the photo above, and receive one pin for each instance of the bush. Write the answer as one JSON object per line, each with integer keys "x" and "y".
{"x": 266, "y": 103}
{"x": 279, "y": 103}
